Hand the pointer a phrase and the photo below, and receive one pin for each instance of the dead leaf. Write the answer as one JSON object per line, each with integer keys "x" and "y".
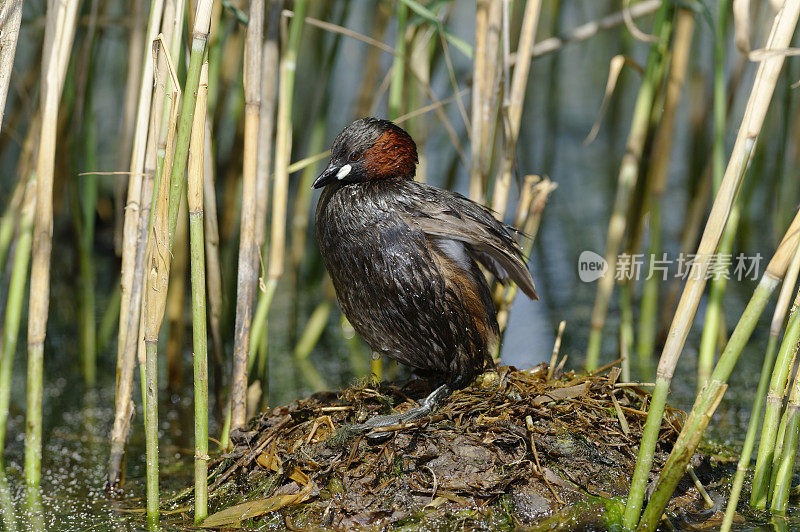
{"x": 557, "y": 394}
{"x": 247, "y": 510}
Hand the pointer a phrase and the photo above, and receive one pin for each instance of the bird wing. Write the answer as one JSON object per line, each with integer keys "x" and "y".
{"x": 487, "y": 240}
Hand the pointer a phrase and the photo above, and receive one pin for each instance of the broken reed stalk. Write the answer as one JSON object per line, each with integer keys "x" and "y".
{"x": 776, "y": 327}
{"x": 783, "y": 462}
{"x": 154, "y": 305}
{"x": 153, "y": 167}
{"x": 626, "y": 181}
{"x": 516, "y": 100}
{"x": 757, "y": 105}
{"x": 9, "y": 32}
{"x": 124, "y": 404}
{"x": 248, "y": 245}
{"x": 200, "y": 338}
{"x": 398, "y": 64}
{"x": 58, "y": 37}
{"x": 16, "y": 296}
{"x": 657, "y": 180}
{"x": 528, "y": 219}
{"x": 487, "y": 22}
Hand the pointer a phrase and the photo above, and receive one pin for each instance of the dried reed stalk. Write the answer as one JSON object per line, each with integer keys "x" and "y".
{"x": 59, "y": 34}
{"x": 154, "y": 304}
{"x": 420, "y": 64}
{"x": 248, "y": 244}
{"x": 757, "y": 105}
{"x": 283, "y": 143}
{"x": 516, "y": 101}
{"x": 270, "y": 57}
{"x": 487, "y": 28}
{"x": 132, "y": 206}
{"x": 134, "y": 333}
{"x": 590, "y": 29}
{"x": 133, "y": 78}
{"x": 399, "y": 64}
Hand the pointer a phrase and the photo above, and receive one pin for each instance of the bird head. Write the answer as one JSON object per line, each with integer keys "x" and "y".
{"x": 370, "y": 149}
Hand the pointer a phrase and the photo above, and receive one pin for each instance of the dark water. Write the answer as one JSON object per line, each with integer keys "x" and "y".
{"x": 563, "y": 99}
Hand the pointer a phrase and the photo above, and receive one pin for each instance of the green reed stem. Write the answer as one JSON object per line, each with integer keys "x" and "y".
{"x": 750, "y": 438}
{"x": 783, "y": 481}
{"x": 703, "y": 408}
{"x": 16, "y": 295}
{"x": 9, "y": 221}
{"x": 151, "y": 430}
{"x": 777, "y": 453}
{"x": 108, "y": 323}
{"x": 88, "y": 205}
{"x": 311, "y": 335}
{"x": 777, "y": 386}
{"x": 778, "y": 318}
{"x": 355, "y": 348}
{"x": 757, "y": 105}
{"x": 648, "y": 307}
{"x": 260, "y": 318}
{"x": 7, "y": 509}
{"x": 194, "y": 198}
{"x": 715, "y": 309}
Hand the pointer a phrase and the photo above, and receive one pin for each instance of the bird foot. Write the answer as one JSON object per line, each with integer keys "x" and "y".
{"x": 425, "y": 408}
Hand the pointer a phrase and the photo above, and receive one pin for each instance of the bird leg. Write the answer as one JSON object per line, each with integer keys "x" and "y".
{"x": 425, "y": 408}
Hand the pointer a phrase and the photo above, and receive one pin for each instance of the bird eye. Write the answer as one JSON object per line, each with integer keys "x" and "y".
{"x": 355, "y": 156}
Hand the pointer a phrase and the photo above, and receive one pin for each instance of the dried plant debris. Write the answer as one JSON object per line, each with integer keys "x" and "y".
{"x": 514, "y": 449}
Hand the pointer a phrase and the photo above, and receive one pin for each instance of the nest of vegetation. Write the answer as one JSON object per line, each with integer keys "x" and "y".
{"x": 515, "y": 449}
